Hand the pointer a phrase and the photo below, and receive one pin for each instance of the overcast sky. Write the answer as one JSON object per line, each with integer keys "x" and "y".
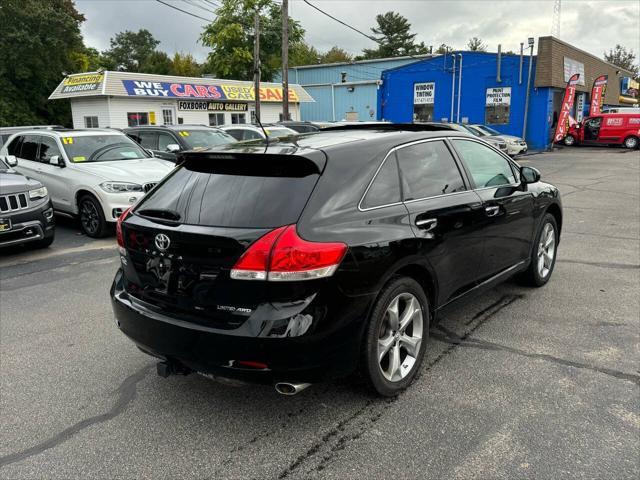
{"x": 594, "y": 26}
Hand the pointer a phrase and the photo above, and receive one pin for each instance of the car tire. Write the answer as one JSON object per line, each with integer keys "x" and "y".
{"x": 569, "y": 140}
{"x": 631, "y": 142}
{"x": 543, "y": 253}
{"x": 391, "y": 371}
{"x": 92, "y": 219}
{"x": 45, "y": 242}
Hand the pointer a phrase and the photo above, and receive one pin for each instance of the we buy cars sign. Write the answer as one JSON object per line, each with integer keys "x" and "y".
{"x": 139, "y": 88}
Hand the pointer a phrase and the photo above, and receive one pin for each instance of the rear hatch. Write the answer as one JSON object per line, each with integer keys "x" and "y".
{"x": 185, "y": 236}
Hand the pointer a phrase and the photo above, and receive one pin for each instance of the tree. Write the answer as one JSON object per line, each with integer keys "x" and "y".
{"x": 302, "y": 53}
{"x": 475, "y": 45}
{"x": 336, "y": 55}
{"x": 394, "y": 38}
{"x": 129, "y": 50}
{"x": 230, "y": 37}
{"x": 157, "y": 62}
{"x": 623, "y": 58}
{"x": 185, "y": 65}
{"x": 443, "y": 49}
{"x": 40, "y": 41}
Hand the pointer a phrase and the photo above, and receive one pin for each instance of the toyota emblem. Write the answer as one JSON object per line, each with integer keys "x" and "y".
{"x": 162, "y": 242}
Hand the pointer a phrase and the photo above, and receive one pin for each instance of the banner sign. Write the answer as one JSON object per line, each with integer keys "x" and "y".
{"x": 82, "y": 83}
{"x": 199, "y": 105}
{"x": 498, "y": 96}
{"x": 424, "y": 93}
{"x": 597, "y": 94}
{"x": 572, "y": 67}
{"x": 567, "y": 104}
{"x": 629, "y": 87}
{"x": 580, "y": 107}
{"x": 138, "y": 88}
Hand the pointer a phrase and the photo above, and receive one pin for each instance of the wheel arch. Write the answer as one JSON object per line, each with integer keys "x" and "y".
{"x": 81, "y": 192}
{"x": 554, "y": 209}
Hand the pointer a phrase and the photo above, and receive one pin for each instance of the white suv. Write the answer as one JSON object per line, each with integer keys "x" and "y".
{"x": 93, "y": 174}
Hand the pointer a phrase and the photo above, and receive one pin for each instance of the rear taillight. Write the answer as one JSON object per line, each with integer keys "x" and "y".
{"x": 281, "y": 255}
{"x": 119, "y": 234}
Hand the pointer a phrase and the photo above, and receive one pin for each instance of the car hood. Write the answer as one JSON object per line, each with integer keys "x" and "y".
{"x": 138, "y": 171}
{"x": 14, "y": 182}
{"x": 511, "y": 138}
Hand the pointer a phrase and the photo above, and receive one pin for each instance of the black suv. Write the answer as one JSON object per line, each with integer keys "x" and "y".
{"x": 166, "y": 141}
{"x": 303, "y": 260}
{"x": 26, "y": 214}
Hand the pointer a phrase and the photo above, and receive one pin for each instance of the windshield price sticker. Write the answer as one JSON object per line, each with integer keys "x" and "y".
{"x": 67, "y": 140}
{"x": 183, "y": 133}
{"x": 79, "y": 159}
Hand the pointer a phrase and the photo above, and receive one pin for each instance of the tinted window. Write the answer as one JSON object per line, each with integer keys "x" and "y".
{"x": 196, "y": 139}
{"x": 385, "y": 189}
{"x": 148, "y": 140}
{"x": 29, "y": 150}
{"x": 48, "y": 148}
{"x": 14, "y": 147}
{"x": 428, "y": 169}
{"x": 164, "y": 140}
{"x": 487, "y": 167}
{"x": 231, "y": 200}
{"x": 236, "y": 133}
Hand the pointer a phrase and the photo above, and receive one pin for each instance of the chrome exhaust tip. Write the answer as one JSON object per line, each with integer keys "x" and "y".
{"x": 286, "y": 388}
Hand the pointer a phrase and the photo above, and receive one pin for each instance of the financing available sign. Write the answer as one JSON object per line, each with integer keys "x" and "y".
{"x": 424, "y": 93}
{"x": 223, "y": 92}
{"x": 82, "y": 83}
{"x": 498, "y": 96}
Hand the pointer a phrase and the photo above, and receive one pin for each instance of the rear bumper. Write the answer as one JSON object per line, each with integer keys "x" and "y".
{"x": 313, "y": 357}
{"x": 28, "y": 225}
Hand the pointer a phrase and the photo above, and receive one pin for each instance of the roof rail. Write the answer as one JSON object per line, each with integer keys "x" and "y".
{"x": 411, "y": 127}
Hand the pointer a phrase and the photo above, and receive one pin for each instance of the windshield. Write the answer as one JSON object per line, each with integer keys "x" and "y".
{"x": 278, "y": 132}
{"x": 199, "y": 139}
{"x": 487, "y": 130}
{"x": 101, "y": 148}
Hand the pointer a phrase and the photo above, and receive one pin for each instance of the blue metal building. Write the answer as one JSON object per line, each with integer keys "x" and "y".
{"x": 344, "y": 91}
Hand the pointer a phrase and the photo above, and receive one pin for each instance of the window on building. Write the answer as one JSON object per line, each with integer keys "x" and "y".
{"x": 137, "y": 118}
{"x": 497, "y": 114}
{"x": 91, "y": 122}
{"x": 216, "y": 119}
{"x": 167, "y": 116}
{"x": 238, "y": 118}
{"x": 180, "y": 120}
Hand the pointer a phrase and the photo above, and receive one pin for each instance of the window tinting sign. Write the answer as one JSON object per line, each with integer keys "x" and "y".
{"x": 424, "y": 93}
{"x": 498, "y": 96}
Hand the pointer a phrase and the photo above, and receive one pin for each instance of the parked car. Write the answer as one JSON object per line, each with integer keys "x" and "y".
{"x": 622, "y": 110}
{"x": 166, "y": 141}
{"x": 515, "y": 145}
{"x": 606, "y": 129}
{"x": 243, "y": 132}
{"x": 300, "y": 127}
{"x": 303, "y": 260}
{"x": 93, "y": 174}
{"x": 26, "y": 213}
{"x": 6, "y": 132}
{"x": 496, "y": 142}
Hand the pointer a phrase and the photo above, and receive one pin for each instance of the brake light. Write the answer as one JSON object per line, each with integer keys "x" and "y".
{"x": 119, "y": 234}
{"x": 281, "y": 255}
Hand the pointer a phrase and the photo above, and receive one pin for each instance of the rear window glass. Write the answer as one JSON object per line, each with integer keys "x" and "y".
{"x": 385, "y": 189}
{"x": 230, "y": 197}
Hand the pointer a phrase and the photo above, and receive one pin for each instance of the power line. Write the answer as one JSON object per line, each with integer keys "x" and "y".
{"x": 184, "y": 11}
{"x": 341, "y": 22}
{"x": 193, "y": 3}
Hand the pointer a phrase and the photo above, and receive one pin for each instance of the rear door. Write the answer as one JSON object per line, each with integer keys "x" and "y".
{"x": 27, "y": 155}
{"x": 444, "y": 213}
{"x": 591, "y": 128}
{"x": 507, "y": 220}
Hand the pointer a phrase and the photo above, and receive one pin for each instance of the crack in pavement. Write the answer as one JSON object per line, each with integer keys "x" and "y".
{"x": 629, "y": 266}
{"x": 454, "y": 340}
{"x": 126, "y": 394}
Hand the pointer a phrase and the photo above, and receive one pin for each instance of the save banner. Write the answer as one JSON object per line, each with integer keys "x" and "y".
{"x": 138, "y": 88}
{"x": 567, "y": 105}
{"x": 597, "y": 94}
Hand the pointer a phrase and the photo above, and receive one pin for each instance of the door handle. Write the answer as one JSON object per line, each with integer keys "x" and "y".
{"x": 492, "y": 211}
{"x": 427, "y": 224}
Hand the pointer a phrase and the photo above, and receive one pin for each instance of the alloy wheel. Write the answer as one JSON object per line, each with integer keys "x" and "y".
{"x": 546, "y": 250}
{"x": 400, "y": 337}
{"x": 631, "y": 143}
{"x": 89, "y": 217}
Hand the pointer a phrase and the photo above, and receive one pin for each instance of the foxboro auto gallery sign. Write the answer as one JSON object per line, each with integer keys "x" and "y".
{"x": 199, "y": 105}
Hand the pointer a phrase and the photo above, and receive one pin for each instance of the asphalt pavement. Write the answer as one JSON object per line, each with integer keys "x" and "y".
{"x": 517, "y": 383}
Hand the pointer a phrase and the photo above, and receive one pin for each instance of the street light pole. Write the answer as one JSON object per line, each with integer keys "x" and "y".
{"x": 526, "y": 101}
{"x": 285, "y": 60}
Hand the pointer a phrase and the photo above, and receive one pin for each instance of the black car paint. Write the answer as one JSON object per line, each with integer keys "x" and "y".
{"x": 467, "y": 251}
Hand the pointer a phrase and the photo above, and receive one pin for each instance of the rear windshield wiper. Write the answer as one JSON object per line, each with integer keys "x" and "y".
{"x": 168, "y": 216}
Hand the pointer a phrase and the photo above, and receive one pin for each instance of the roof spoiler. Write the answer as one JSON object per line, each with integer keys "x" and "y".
{"x": 397, "y": 127}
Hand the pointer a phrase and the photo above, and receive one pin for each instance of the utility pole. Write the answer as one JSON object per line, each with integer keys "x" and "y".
{"x": 285, "y": 60}
{"x": 256, "y": 62}
{"x": 526, "y": 101}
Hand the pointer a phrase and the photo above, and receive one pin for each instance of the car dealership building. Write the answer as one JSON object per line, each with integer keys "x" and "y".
{"x": 123, "y": 99}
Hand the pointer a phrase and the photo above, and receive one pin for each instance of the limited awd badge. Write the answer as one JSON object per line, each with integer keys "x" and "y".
{"x": 162, "y": 242}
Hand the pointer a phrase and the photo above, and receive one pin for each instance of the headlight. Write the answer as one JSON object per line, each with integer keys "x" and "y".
{"x": 512, "y": 141}
{"x": 38, "y": 193}
{"x": 120, "y": 187}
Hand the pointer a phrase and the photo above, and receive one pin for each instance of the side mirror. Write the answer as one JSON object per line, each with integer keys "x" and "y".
{"x": 173, "y": 148}
{"x": 11, "y": 160}
{"x": 530, "y": 174}
{"x": 56, "y": 160}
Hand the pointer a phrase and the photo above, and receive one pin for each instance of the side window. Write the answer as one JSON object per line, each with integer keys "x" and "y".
{"x": 487, "y": 167}
{"x": 235, "y": 133}
{"x": 14, "y": 147}
{"x": 251, "y": 135}
{"x": 29, "y": 150}
{"x": 428, "y": 169}
{"x": 148, "y": 140}
{"x": 385, "y": 188}
{"x": 48, "y": 148}
{"x": 165, "y": 139}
